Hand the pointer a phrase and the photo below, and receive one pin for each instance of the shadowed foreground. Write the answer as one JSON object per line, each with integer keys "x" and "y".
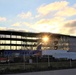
{"x": 55, "y": 72}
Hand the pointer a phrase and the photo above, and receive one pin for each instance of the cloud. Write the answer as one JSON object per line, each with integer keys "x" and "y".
{"x": 17, "y": 29}
{"x": 71, "y": 23}
{"x": 56, "y": 9}
{"x": 46, "y": 9}
{"x": 49, "y": 25}
{"x": 17, "y": 24}
{"x": 50, "y": 21}
{"x": 74, "y": 5}
{"x": 56, "y": 25}
{"x": 2, "y": 19}
{"x": 20, "y": 24}
{"x": 69, "y": 27}
{"x": 14, "y": 29}
{"x": 26, "y": 23}
{"x": 3, "y": 28}
{"x": 23, "y": 26}
{"x": 56, "y": 17}
{"x": 25, "y": 15}
{"x": 67, "y": 12}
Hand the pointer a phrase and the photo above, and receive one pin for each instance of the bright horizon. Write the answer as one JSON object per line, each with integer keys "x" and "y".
{"x": 54, "y": 16}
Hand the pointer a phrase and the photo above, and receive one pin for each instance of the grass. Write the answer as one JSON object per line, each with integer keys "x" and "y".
{"x": 21, "y": 67}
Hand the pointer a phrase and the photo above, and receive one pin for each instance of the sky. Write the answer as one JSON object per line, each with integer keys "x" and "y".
{"x": 54, "y": 16}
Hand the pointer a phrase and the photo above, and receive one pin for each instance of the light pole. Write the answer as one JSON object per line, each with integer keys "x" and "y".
{"x": 70, "y": 60}
{"x": 24, "y": 60}
{"x": 48, "y": 61}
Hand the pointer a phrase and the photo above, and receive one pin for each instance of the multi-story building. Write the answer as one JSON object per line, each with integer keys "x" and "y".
{"x": 19, "y": 40}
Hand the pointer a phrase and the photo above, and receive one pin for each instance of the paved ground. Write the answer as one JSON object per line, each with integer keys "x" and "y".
{"x": 55, "y": 72}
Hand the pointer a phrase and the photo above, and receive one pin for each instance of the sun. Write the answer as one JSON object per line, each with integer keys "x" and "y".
{"x": 45, "y": 39}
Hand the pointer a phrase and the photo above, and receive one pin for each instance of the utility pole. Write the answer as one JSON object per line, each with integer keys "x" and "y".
{"x": 48, "y": 61}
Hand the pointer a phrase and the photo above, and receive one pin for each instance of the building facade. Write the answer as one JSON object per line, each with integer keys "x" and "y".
{"x": 19, "y": 40}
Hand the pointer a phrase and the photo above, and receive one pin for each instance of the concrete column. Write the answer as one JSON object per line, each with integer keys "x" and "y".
{"x": 16, "y": 42}
{"x": 10, "y": 40}
{"x": 21, "y": 43}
